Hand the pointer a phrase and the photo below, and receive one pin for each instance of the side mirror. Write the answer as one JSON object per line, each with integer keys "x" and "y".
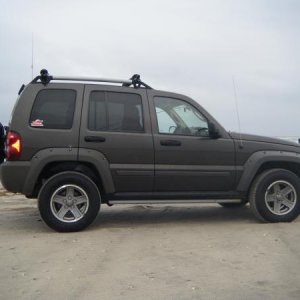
{"x": 213, "y": 131}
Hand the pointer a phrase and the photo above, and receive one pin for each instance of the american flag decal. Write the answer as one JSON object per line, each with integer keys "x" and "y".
{"x": 37, "y": 123}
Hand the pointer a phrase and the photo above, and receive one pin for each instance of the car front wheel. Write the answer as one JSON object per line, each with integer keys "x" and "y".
{"x": 274, "y": 196}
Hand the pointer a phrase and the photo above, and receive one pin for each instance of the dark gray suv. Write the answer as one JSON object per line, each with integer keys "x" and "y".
{"x": 75, "y": 143}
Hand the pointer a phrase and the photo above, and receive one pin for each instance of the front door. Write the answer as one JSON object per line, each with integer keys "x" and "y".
{"x": 186, "y": 157}
{"x": 115, "y": 122}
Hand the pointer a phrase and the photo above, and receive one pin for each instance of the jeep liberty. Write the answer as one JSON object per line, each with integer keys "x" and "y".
{"x": 76, "y": 143}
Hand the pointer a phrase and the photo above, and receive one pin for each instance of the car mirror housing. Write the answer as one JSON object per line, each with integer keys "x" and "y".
{"x": 213, "y": 131}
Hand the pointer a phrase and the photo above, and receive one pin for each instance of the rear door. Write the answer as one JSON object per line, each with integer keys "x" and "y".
{"x": 115, "y": 122}
{"x": 186, "y": 157}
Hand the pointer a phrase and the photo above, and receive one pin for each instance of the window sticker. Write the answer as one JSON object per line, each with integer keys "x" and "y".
{"x": 37, "y": 123}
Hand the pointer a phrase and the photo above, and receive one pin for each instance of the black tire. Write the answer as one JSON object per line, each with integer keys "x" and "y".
{"x": 267, "y": 199}
{"x": 233, "y": 205}
{"x": 69, "y": 201}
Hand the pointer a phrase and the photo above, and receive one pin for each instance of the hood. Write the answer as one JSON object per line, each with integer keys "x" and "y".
{"x": 263, "y": 139}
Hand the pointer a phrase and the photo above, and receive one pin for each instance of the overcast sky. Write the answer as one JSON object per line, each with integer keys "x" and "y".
{"x": 190, "y": 47}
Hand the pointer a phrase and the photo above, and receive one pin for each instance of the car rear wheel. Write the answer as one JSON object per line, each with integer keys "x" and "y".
{"x": 69, "y": 201}
{"x": 274, "y": 196}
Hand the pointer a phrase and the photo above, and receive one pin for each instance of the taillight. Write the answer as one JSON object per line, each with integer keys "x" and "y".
{"x": 13, "y": 146}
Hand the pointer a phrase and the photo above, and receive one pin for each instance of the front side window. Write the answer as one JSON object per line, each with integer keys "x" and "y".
{"x": 53, "y": 109}
{"x": 112, "y": 111}
{"x": 178, "y": 117}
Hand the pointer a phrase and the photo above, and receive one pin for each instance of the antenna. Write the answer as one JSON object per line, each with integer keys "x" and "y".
{"x": 237, "y": 111}
{"x": 32, "y": 56}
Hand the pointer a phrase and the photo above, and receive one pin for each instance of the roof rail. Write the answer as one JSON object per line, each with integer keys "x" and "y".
{"x": 135, "y": 80}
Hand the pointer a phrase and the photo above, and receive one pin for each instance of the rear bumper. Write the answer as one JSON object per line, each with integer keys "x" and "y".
{"x": 13, "y": 175}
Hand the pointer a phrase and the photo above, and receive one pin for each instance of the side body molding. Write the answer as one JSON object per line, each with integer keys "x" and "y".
{"x": 257, "y": 159}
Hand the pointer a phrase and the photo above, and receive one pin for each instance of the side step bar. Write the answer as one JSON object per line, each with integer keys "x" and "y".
{"x": 167, "y": 201}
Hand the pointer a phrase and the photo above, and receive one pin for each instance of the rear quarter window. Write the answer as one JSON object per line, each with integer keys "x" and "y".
{"x": 53, "y": 109}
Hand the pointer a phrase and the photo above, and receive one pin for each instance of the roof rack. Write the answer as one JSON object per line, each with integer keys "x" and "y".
{"x": 135, "y": 80}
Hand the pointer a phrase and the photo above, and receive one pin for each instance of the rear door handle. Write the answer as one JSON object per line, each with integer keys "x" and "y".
{"x": 170, "y": 143}
{"x": 94, "y": 139}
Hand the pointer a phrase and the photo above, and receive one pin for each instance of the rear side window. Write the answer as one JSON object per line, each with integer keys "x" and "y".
{"x": 53, "y": 109}
{"x": 111, "y": 111}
